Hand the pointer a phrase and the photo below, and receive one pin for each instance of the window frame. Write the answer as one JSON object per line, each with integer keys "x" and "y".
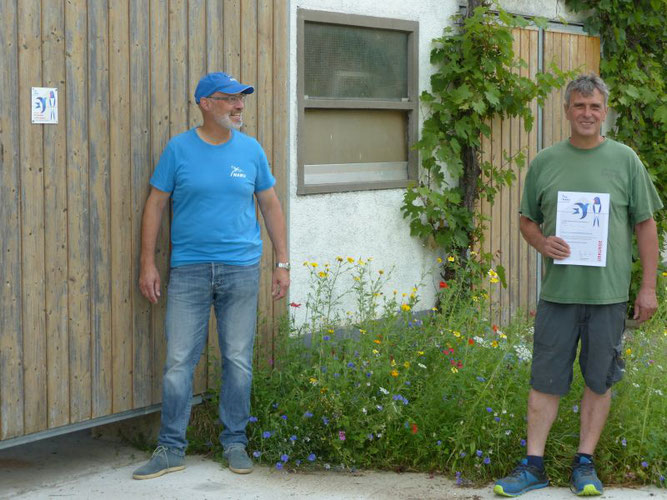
{"x": 409, "y": 106}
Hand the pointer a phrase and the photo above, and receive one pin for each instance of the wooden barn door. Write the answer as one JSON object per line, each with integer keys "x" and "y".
{"x": 569, "y": 51}
{"x": 77, "y": 339}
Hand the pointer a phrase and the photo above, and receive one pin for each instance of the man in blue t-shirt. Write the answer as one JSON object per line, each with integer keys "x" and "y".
{"x": 213, "y": 174}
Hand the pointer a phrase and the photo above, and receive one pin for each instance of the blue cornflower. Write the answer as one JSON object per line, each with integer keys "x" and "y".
{"x": 350, "y": 364}
{"x": 312, "y": 457}
{"x": 256, "y": 454}
{"x": 275, "y": 405}
{"x": 575, "y": 408}
{"x": 336, "y": 375}
{"x": 279, "y": 465}
{"x": 523, "y": 442}
{"x": 379, "y": 407}
{"x": 325, "y": 420}
{"x": 462, "y": 454}
{"x": 356, "y": 354}
{"x": 284, "y": 417}
{"x": 368, "y": 374}
{"x": 479, "y": 453}
{"x": 645, "y": 464}
{"x": 397, "y": 397}
{"x": 326, "y": 337}
{"x": 624, "y": 443}
{"x": 407, "y": 382}
{"x": 292, "y": 438}
{"x": 252, "y": 419}
{"x": 480, "y": 379}
{"x": 438, "y": 442}
{"x": 489, "y": 409}
{"x": 284, "y": 457}
{"x": 266, "y": 434}
{"x": 370, "y": 436}
{"x": 297, "y": 462}
{"x": 497, "y": 419}
{"x": 307, "y": 414}
{"x": 459, "y": 479}
{"x": 487, "y": 460}
{"x": 324, "y": 369}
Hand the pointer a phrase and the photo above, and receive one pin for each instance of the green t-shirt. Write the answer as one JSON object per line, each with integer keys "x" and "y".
{"x": 610, "y": 168}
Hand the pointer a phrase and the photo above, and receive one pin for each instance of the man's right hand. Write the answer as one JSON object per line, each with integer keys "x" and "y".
{"x": 555, "y": 247}
{"x": 149, "y": 283}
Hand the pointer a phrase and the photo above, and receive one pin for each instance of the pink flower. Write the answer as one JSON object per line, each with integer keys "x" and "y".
{"x": 341, "y": 435}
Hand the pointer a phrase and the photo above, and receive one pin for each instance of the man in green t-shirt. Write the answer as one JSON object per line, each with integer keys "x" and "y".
{"x": 593, "y": 192}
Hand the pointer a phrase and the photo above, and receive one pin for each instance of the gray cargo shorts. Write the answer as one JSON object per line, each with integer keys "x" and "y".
{"x": 558, "y": 329}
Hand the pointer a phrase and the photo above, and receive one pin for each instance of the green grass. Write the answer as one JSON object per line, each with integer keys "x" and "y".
{"x": 445, "y": 392}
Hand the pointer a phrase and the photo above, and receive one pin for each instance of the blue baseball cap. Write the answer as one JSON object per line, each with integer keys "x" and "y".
{"x": 220, "y": 82}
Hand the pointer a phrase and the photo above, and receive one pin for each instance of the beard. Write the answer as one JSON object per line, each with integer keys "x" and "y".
{"x": 226, "y": 122}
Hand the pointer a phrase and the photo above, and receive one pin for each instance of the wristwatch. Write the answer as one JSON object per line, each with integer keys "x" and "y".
{"x": 283, "y": 265}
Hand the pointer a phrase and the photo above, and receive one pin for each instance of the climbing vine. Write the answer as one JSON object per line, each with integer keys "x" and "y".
{"x": 477, "y": 79}
{"x": 634, "y": 66}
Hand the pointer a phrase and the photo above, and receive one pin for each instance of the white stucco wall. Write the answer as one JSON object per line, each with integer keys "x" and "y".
{"x": 369, "y": 223}
{"x": 363, "y": 223}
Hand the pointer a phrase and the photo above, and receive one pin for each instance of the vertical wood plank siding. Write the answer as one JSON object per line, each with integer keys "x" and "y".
{"x": 568, "y": 51}
{"x": 77, "y": 339}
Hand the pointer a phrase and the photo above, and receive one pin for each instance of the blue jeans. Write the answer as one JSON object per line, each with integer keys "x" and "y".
{"x": 232, "y": 290}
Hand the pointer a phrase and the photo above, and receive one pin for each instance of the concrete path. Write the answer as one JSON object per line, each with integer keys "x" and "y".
{"x": 78, "y": 466}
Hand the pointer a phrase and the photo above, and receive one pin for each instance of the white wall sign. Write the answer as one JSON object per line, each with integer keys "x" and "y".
{"x": 44, "y": 105}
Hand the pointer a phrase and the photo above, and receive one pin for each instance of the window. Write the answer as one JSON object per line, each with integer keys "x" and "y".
{"x": 357, "y": 91}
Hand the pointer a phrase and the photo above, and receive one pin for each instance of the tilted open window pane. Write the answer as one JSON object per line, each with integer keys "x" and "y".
{"x": 351, "y": 146}
{"x": 355, "y": 62}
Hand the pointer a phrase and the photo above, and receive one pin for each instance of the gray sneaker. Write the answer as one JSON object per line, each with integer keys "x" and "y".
{"x": 162, "y": 462}
{"x": 238, "y": 460}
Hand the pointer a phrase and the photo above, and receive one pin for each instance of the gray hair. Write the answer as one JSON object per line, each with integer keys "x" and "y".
{"x": 585, "y": 85}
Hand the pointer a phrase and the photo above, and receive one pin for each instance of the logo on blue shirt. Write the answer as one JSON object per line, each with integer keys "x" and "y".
{"x": 237, "y": 172}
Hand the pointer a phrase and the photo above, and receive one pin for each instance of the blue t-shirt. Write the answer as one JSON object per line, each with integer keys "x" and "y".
{"x": 212, "y": 188}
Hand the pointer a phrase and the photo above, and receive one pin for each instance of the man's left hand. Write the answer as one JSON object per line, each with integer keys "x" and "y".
{"x": 280, "y": 283}
{"x": 645, "y": 304}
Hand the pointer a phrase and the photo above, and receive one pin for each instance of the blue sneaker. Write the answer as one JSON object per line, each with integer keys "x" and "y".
{"x": 584, "y": 481}
{"x": 522, "y": 479}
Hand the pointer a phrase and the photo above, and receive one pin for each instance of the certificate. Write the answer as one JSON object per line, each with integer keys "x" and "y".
{"x": 582, "y": 220}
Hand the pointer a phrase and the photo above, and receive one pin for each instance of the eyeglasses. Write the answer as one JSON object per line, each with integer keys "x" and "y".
{"x": 231, "y": 99}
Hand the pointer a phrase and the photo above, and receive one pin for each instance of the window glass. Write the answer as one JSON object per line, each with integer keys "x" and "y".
{"x": 355, "y": 62}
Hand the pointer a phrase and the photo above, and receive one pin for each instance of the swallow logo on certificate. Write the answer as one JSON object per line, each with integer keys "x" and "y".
{"x": 582, "y": 220}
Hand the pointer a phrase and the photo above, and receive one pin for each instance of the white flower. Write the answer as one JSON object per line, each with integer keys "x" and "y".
{"x": 383, "y": 390}
{"x": 421, "y": 365}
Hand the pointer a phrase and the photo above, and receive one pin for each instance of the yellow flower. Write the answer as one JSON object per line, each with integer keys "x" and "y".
{"x": 392, "y": 363}
{"x": 339, "y": 259}
{"x": 377, "y": 341}
{"x": 494, "y": 343}
{"x": 475, "y": 298}
{"x": 322, "y": 274}
{"x": 492, "y": 273}
{"x": 395, "y": 292}
{"x": 381, "y": 271}
{"x": 502, "y": 335}
{"x": 356, "y": 278}
{"x": 421, "y": 353}
{"x": 412, "y": 295}
{"x": 405, "y": 307}
{"x": 406, "y": 364}
{"x": 456, "y": 333}
{"x": 361, "y": 262}
{"x": 664, "y": 274}
{"x": 435, "y": 309}
{"x": 330, "y": 330}
{"x": 454, "y": 369}
{"x": 628, "y": 351}
{"x": 439, "y": 260}
{"x": 323, "y": 390}
{"x": 473, "y": 253}
{"x": 451, "y": 258}
{"x": 394, "y": 373}
{"x": 306, "y": 263}
{"x": 362, "y": 331}
{"x": 314, "y": 264}
{"x": 494, "y": 280}
{"x": 375, "y": 351}
{"x": 414, "y": 290}
{"x": 350, "y": 260}
{"x": 313, "y": 380}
